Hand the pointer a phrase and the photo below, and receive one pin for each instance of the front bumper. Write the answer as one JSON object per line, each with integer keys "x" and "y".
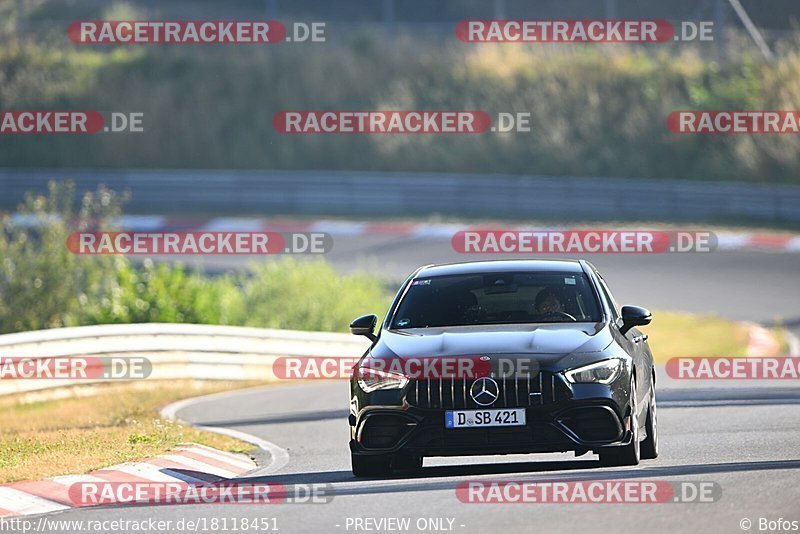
{"x": 568, "y": 417}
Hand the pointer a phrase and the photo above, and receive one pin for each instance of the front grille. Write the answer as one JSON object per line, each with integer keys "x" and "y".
{"x": 453, "y": 394}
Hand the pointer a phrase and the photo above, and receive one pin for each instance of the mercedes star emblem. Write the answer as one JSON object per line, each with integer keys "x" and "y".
{"x": 484, "y": 391}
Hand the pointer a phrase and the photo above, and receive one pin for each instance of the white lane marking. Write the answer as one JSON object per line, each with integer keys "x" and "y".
{"x": 69, "y": 480}
{"x": 233, "y": 463}
{"x": 279, "y": 457}
{"x": 153, "y": 473}
{"x": 184, "y": 461}
{"x": 24, "y": 503}
{"x": 234, "y": 456}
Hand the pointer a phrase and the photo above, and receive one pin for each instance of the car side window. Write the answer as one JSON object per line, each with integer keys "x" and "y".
{"x": 609, "y": 298}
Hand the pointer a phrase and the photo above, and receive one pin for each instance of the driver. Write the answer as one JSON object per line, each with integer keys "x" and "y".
{"x": 547, "y": 302}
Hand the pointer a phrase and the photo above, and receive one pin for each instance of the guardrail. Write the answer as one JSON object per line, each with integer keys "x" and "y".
{"x": 374, "y": 194}
{"x": 202, "y": 352}
{"x": 175, "y": 350}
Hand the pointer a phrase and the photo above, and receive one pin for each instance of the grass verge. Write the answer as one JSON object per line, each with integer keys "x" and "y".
{"x": 675, "y": 334}
{"x": 83, "y": 428}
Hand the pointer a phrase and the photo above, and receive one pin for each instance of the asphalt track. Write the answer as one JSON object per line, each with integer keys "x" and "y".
{"x": 745, "y": 439}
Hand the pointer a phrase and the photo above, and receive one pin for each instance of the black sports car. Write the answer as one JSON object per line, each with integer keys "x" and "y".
{"x": 550, "y": 365}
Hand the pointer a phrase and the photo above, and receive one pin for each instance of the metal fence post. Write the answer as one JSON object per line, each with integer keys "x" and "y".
{"x": 719, "y": 28}
{"x": 388, "y": 13}
{"x": 271, "y": 8}
{"x": 20, "y": 21}
{"x": 611, "y": 9}
{"x": 499, "y": 9}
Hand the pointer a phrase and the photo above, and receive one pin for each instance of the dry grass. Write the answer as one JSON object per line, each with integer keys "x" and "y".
{"x": 675, "y": 334}
{"x": 80, "y": 429}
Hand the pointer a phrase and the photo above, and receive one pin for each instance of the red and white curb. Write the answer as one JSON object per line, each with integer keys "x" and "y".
{"x": 761, "y": 342}
{"x": 727, "y": 240}
{"x": 279, "y": 457}
{"x": 187, "y": 465}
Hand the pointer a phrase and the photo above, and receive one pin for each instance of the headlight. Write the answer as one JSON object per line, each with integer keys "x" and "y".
{"x": 372, "y": 380}
{"x": 595, "y": 373}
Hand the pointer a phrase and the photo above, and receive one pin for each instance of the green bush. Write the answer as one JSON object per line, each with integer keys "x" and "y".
{"x": 291, "y": 292}
{"x": 44, "y": 285}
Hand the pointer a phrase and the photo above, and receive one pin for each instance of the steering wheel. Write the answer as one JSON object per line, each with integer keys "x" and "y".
{"x": 563, "y": 315}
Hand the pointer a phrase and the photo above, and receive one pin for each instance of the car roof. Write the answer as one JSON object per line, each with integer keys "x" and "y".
{"x": 500, "y": 266}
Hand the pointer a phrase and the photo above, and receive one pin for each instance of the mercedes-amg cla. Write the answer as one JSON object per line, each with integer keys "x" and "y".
{"x": 502, "y": 357}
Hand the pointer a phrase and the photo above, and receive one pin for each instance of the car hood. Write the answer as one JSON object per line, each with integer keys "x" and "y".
{"x": 549, "y": 342}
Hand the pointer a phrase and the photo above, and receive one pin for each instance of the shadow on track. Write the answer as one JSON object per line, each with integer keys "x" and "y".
{"x": 447, "y": 477}
{"x": 319, "y": 415}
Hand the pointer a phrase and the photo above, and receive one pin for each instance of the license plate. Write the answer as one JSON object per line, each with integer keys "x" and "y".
{"x": 484, "y": 418}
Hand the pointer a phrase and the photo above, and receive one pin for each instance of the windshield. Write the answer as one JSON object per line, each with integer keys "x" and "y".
{"x": 497, "y": 298}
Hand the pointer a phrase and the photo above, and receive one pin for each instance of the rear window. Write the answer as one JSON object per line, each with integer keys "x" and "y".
{"x": 499, "y": 298}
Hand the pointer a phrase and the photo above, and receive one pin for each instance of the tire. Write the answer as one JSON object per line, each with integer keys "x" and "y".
{"x": 371, "y": 466}
{"x": 627, "y": 454}
{"x": 649, "y": 447}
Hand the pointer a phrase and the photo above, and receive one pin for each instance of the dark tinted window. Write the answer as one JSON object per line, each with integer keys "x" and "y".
{"x": 501, "y": 298}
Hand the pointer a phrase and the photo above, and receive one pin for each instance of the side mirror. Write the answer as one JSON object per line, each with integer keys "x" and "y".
{"x": 365, "y": 326}
{"x": 634, "y": 316}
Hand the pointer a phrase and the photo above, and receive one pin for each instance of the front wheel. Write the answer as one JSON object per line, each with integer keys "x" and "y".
{"x": 627, "y": 454}
{"x": 371, "y": 466}
{"x": 650, "y": 443}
